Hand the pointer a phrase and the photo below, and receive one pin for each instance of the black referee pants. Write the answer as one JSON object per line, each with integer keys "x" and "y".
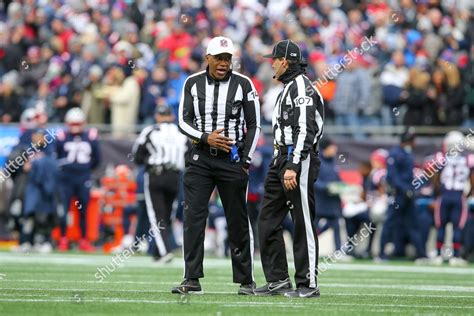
{"x": 160, "y": 191}
{"x": 276, "y": 204}
{"x": 203, "y": 173}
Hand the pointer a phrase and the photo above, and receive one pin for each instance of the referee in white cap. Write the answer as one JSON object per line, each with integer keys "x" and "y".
{"x": 220, "y": 112}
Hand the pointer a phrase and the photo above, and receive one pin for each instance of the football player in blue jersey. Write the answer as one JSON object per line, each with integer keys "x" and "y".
{"x": 20, "y": 176}
{"x": 401, "y": 216}
{"x": 451, "y": 207}
{"x": 78, "y": 154}
{"x": 40, "y": 204}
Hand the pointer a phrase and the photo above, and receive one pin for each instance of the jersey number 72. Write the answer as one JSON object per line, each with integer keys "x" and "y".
{"x": 79, "y": 152}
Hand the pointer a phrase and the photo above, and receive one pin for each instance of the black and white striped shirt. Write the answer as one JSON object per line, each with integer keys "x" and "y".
{"x": 232, "y": 104}
{"x": 298, "y": 117}
{"x": 161, "y": 145}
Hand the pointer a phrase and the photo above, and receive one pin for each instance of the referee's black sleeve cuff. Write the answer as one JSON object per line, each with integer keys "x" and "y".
{"x": 292, "y": 166}
{"x": 204, "y": 137}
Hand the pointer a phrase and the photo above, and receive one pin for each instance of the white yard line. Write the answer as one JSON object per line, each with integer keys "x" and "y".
{"x": 403, "y": 269}
{"x": 145, "y": 262}
{"x": 225, "y": 293}
{"x": 425, "y": 287}
{"x": 326, "y": 282}
{"x": 78, "y": 290}
{"x": 290, "y": 304}
{"x": 434, "y": 288}
{"x": 333, "y": 309}
{"x": 28, "y": 295}
{"x": 370, "y": 284}
{"x": 91, "y": 282}
{"x": 363, "y": 304}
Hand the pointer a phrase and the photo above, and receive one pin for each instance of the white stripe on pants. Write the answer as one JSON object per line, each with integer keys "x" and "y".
{"x": 305, "y": 164}
{"x": 152, "y": 217}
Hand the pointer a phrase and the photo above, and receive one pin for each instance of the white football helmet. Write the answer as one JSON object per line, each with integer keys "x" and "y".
{"x": 454, "y": 139}
{"x": 75, "y": 120}
{"x": 27, "y": 119}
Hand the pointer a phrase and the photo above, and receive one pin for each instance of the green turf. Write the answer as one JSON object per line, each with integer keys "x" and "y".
{"x": 64, "y": 284}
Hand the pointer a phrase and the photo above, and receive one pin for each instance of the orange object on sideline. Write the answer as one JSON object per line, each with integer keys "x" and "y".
{"x": 118, "y": 191}
{"x": 105, "y": 208}
{"x": 328, "y": 90}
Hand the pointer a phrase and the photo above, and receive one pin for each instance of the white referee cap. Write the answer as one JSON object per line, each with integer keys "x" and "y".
{"x": 219, "y": 45}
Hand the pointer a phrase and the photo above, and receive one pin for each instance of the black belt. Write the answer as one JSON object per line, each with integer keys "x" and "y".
{"x": 283, "y": 150}
{"x": 212, "y": 151}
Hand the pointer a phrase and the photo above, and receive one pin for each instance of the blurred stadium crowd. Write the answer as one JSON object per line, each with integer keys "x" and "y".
{"x": 101, "y": 54}
{"x": 118, "y": 60}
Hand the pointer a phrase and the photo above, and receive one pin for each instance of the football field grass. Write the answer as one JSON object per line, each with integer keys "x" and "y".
{"x": 65, "y": 284}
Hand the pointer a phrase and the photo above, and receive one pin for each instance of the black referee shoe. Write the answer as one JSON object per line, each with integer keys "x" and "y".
{"x": 246, "y": 289}
{"x": 188, "y": 286}
{"x": 304, "y": 292}
{"x": 274, "y": 288}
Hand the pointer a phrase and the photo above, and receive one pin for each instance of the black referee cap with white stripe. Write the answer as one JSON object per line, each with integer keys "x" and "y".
{"x": 285, "y": 49}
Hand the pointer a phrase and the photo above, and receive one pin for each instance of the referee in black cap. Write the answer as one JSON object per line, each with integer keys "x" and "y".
{"x": 161, "y": 148}
{"x": 297, "y": 127}
{"x": 220, "y": 111}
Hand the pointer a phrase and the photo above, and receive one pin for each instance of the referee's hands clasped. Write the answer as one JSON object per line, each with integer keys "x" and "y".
{"x": 289, "y": 180}
{"x": 219, "y": 141}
